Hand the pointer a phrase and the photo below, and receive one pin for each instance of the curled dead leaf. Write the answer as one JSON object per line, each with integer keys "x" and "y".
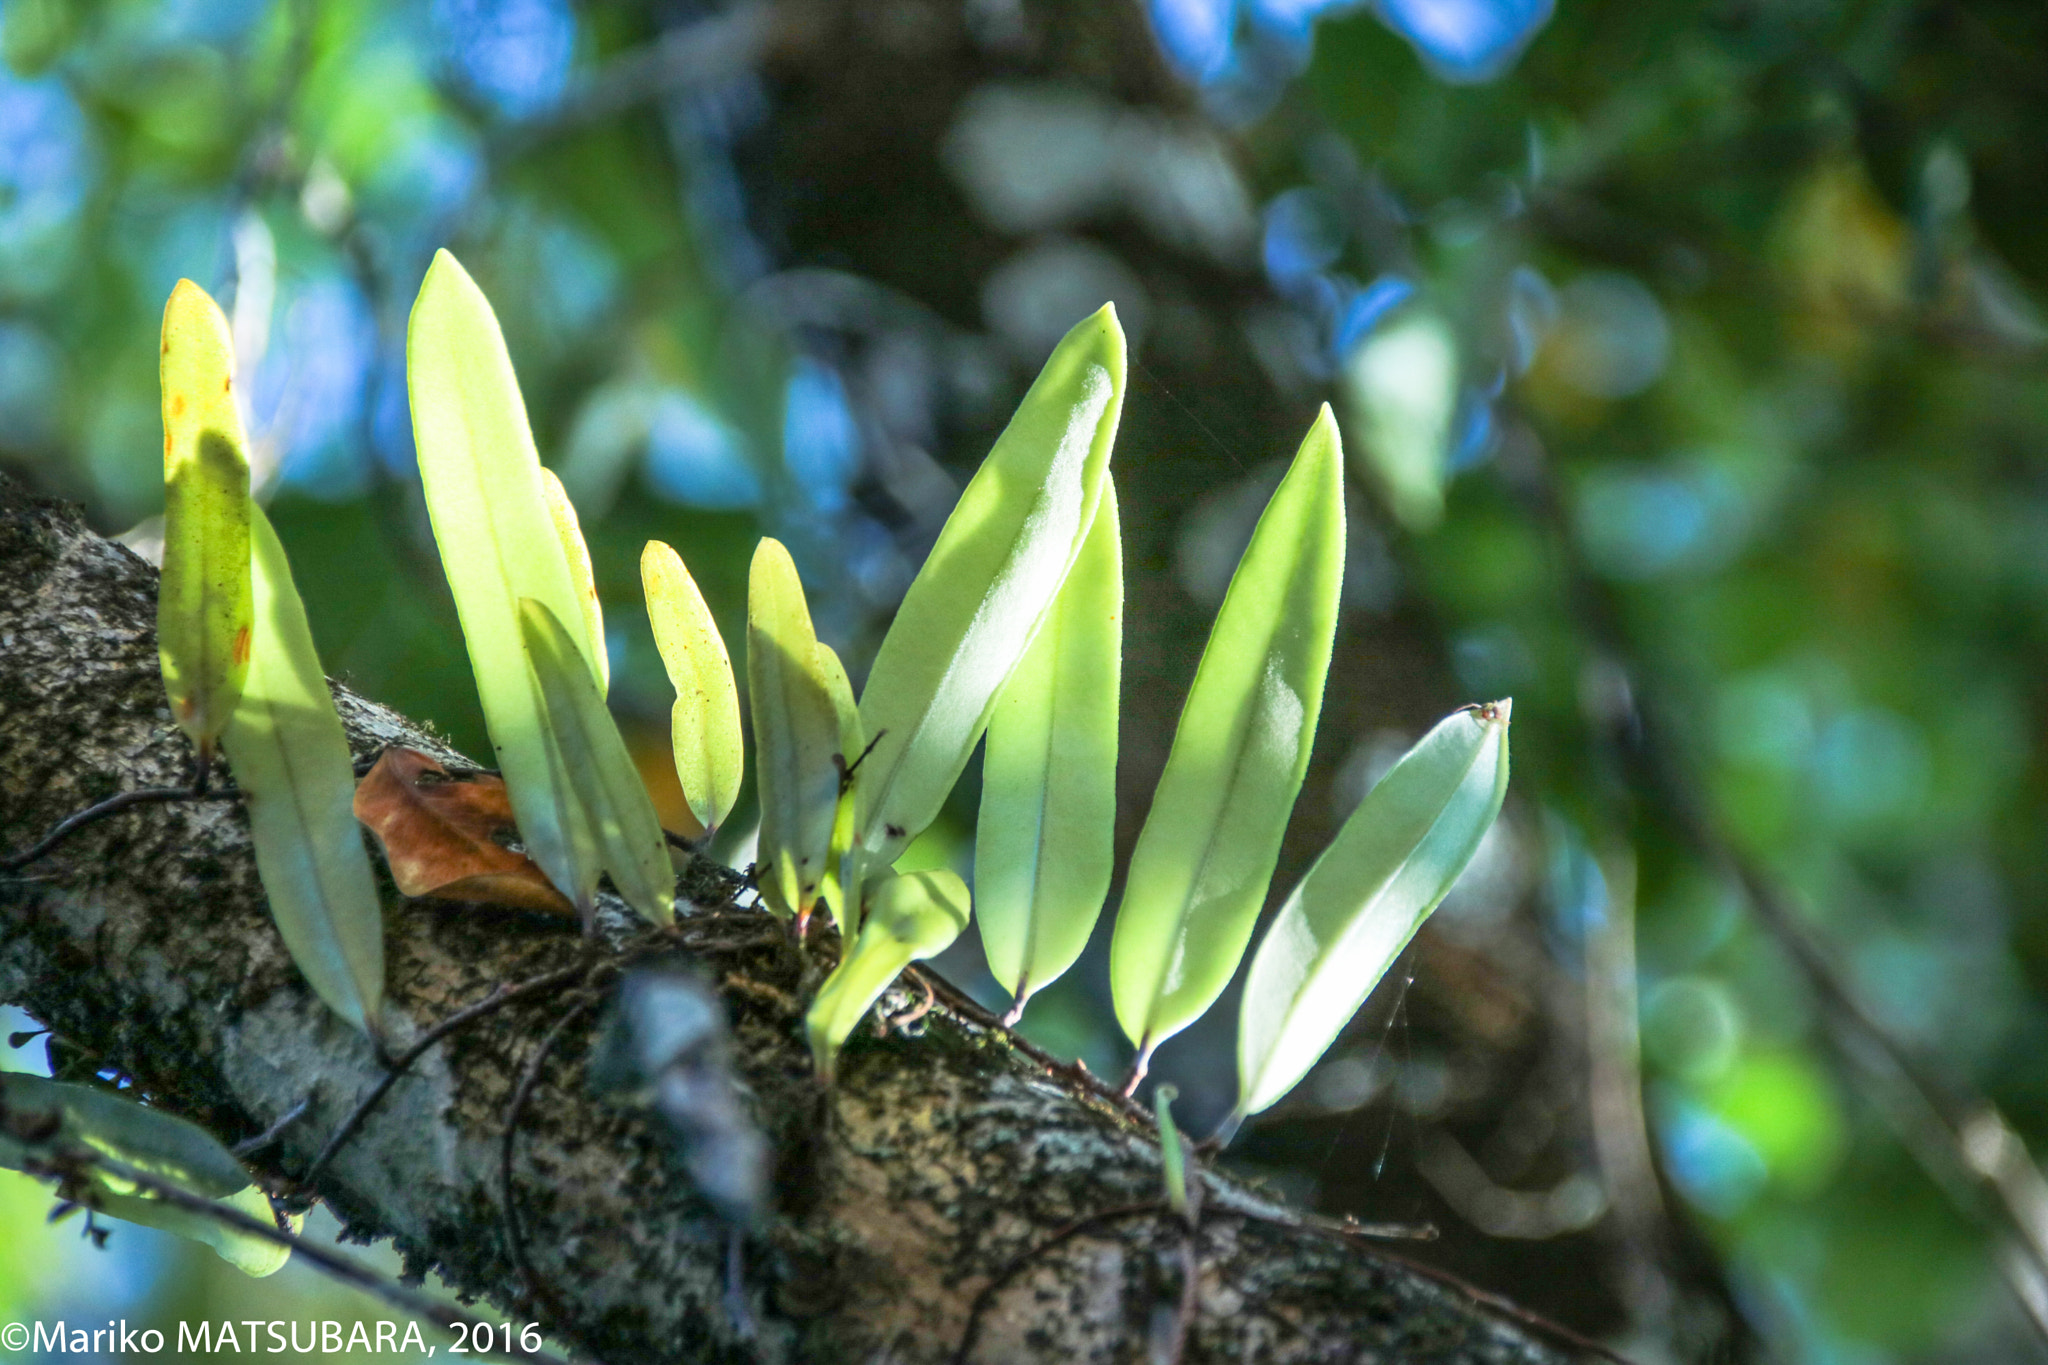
{"x": 441, "y": 834}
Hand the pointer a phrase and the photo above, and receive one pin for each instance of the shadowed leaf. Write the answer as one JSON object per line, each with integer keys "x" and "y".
{"x": 796, "y": 733}
{"x": 1044, "y": 843}
{"x": 602, "y": 777}
{"x": 292, "y": 762}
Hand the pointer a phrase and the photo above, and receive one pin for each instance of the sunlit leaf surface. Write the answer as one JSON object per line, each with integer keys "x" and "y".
{"x": 978, "y": 601}
{"x": 204, "y": 608}
{"x": 498, "y": 544}
{"x": 1206, "y": 853}
{"x": 910, "y": 916}
{"x": 1343, "y": 926}
{"x": 705, "y": 721}
{"x": 577, "y": 555}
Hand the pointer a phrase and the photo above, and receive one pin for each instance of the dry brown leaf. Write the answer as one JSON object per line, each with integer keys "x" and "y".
{"x": 441, "y": 834}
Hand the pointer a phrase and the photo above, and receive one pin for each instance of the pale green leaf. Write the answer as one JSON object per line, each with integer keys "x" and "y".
{"x": 1173, "y": 1156}
{"x": 1044, "y": 843}
{"x": 291, "y": 761}
{"x": 1402, "y": 392}
{"x": 841, "y": 886}
{"x": 254, "y": 1256}
{"x": 1343, "y": 926}
{"x": 602, "y": 777}
{"x": 204, "y": 606}
{"x": 498, "y": 544}
{"x": 910, "y": 916}
{"x": 150, "y": 1140}
{"x": 796, "y": 734}
{"x": 577, "y": 554}
{"x": 1205, "y": 856}
{"x": 978, "y": 601}
{"x": 705, "y": 721}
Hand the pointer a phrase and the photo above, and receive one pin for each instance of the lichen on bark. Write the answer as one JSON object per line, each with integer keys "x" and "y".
{"x": 944, "y": 1154}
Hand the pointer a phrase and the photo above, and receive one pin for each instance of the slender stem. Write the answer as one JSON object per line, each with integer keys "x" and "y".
{"x": 499, "y": 997}
{"x": 275, "y": 1130}
{"x": 335, "y": 1264}
{"x": 1026, "y": 1257}
{"x": 515, "y": 1235}
{"x": 113, "y": 805}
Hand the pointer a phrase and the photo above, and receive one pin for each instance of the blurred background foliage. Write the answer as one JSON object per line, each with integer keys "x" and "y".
{"x": 1689, "y": 356}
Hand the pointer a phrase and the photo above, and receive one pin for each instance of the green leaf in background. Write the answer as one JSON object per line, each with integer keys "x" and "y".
{"x": 1199, "y": 873}
{"x": 840, "y": 889}
{"x": 705, "y": 721}
{"x": 1044, "y": 844}
{"x": 563, "y": 513}
{"x": 489, "y": 509}
{"x": 151, "y": 1141}
{"x": 292, "y": 763}
{"x": 1402, "y": 389}
{"x": 254, "y": 1256}
{"x": 1343, "y": 926}
{"x": 978, "y": 601}
{"x": 602, "y": 778}
{"x": 204, "y": 608}
{"x": 796, "y": 733}
{"x": 910, "y": 916}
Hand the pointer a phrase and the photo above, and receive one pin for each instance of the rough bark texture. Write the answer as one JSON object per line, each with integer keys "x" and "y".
{"x": 944, "y": 1153}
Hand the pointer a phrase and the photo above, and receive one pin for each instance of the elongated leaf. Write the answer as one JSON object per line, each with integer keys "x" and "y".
{"x": 577, "y": 554}
{"x": 841, "y": 886}
{"x": 1204, "y": 858}
{"x": 254, "y": 1256}
{"x": 705, "y": 722}
{"x": 1354, "y": 912}
{"x": 909, "y": 916}
{"x": 204, "y": 607}
{"x": 1044, "y": 843}
{"x": 150, "y": 1140}
{"x": 606, "y": 785}
{"x": 291, "y": 761}
{"x": 498, "y": 544}
{"x": 796, "y": 733}
{"x": 978, "y": 601}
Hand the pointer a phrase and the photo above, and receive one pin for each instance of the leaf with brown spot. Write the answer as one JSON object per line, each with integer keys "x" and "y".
{"x": 440, "y": 835}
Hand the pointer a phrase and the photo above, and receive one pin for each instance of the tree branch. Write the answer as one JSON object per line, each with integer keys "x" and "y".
{"x": 905, "y": 1193}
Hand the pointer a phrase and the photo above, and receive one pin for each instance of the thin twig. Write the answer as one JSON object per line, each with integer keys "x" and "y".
{"x": 515, "y": 1236}
{"x": 1032, "y": 1253}
{"x": 275, "y": 1131}
{"x": 1943, "y": 1122}
{"x": 113, "y": 805}
{"x": 499, "y": 997}
{"x": 1190, "y": 1294}
{"x": 341, "y": 1267}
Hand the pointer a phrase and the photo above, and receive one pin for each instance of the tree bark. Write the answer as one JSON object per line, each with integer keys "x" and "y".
{"x": 946, "y": 1152}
